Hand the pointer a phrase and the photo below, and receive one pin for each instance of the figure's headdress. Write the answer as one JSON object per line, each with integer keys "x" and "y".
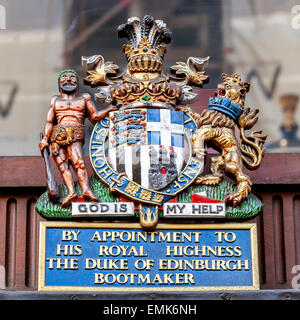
{"x": 147, "y": 41}
{"x": 67, "y": 71}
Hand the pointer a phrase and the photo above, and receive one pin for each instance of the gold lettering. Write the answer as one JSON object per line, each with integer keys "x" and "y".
{"x": 177, "y": 185}
{"x": 103, "y": 250}
{"x": 195, "y": 162}
{"x": 191, "y": 171}
{"x": 98, "y": 278}
{"x": 143, "y": 279}
{"x": 179, "y": 278}
{"x": 181, "y": 178}
{"x": 107, "y": 174}
{"x": 158, "y": 198}
{"x": 173, "y": 250}
{"x": 157, "y": 278}
{"x": 227, "y": 236}
{"x": 106, "y": 264}
{"x": 244, "y": 264}
{"x": 68, "y": 250}
{"x": 229, "y": 251}
{"x": 122, "y": 278}
{"x": 70, "y": 235}
{"x": 132, "y": 251}
{"x": 188, "y": 253}
{"x": 132, "y": 189}
{"x": 197, "y": 236}
{"x": 142, "y": 235}
{"x": 99, "y": 152}
{"x": 187, "y": 237}
{"x": 51, "y": 260}
{"x": 189, "y": 278}
{"x": 102, "y": 131}
{"x": 152, "y": 236}
{"x": 106, "y": 234}
{"x": 115, "y": 235}
{"x": 221, "y": 264}
{"x": 237, "y": 251}
{"x": 167, "y": 278}
{"x": 146, "y": 195}
{"x": 123, "y": 250}
{"x": 102, "y": 163}
{"x": 128, "y": 236}
{"x": 65, "y": 264}
{"x": 163, "y": 237}
{"x": 96, "y": 236}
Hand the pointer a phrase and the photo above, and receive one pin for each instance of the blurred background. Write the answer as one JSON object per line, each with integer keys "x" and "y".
{"x": 258, "y": 39}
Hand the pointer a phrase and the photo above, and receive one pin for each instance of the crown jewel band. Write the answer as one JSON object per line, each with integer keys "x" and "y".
{"x": 226, "y": 106}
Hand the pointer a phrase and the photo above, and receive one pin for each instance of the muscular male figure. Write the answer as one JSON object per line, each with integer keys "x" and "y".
{"x": 64, "y": 129}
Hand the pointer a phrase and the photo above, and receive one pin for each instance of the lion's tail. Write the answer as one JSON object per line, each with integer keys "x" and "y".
{"x": 252, "y": 146}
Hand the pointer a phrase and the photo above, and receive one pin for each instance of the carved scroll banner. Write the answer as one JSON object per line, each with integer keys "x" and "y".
{"x": 123, "y": 257}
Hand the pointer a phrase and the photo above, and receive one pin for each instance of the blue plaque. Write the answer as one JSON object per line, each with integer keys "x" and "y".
{"x": 124, "y": 257}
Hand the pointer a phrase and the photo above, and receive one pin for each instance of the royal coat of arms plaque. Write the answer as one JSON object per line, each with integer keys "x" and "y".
{"x": 148, "y": 147}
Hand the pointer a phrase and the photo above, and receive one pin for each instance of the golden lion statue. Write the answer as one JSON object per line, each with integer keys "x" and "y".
{"x": 216, "y": 129}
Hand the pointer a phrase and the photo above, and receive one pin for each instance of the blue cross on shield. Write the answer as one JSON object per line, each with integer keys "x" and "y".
{"x": 148, "y": 145}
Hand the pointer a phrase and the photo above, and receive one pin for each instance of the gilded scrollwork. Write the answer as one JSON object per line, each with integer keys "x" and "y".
{"x": 192, "y": 72}
{"x": 99, "y": 71}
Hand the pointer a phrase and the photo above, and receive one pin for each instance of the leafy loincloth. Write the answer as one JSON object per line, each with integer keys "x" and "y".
{"x": 64, "y": 135}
